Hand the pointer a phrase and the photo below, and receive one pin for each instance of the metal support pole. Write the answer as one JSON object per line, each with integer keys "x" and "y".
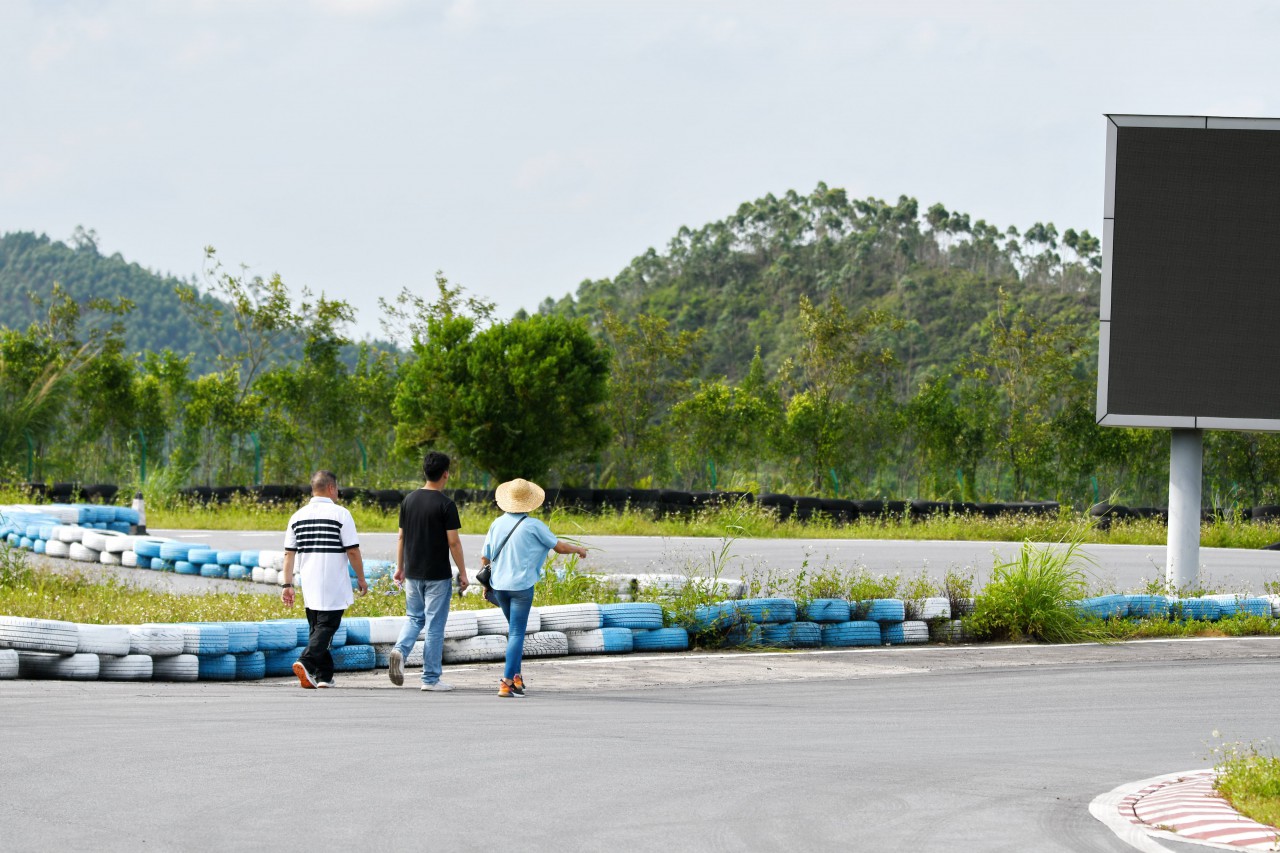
{"x": 1186, "y": 473}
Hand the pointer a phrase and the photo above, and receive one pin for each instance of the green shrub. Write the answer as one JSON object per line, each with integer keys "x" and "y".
{"x": 1029, "y": 597}
{"x": 1250, "y": 780}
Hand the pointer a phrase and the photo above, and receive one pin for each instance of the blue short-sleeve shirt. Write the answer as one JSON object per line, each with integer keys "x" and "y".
{"x": 519, "y": 566}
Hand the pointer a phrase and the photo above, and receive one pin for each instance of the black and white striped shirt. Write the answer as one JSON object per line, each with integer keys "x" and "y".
{"x": 320, "y": 534}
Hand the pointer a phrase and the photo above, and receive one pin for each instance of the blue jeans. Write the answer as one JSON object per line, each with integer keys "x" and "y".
{"x": 426, "y": 603}
{"x": 515, "y": 606}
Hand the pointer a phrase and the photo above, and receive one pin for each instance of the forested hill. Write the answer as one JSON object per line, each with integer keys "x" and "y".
{"x": 741, "y": 278}
{"x": 32, "y": 263}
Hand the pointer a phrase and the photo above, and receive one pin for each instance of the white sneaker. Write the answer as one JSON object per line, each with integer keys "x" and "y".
{"x": 395, "y": 667}
{"x": 438, "y": 687}
{"x": 323, "y": 684}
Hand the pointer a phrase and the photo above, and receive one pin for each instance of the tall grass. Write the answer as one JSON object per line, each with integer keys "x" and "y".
{"x": 1029, "y": 597}
{"x": 1248, "y": 775}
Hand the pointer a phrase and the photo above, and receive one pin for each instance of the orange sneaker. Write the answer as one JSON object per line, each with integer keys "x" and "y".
{"x": 304, "y": 677}
{"x": 504, "y": 690}
{"x": 517, "y": 685}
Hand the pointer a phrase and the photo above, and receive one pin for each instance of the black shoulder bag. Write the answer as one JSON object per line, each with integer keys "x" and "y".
{"x": 485, "y": 575}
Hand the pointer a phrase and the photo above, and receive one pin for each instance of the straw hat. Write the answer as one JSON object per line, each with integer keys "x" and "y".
{"x": 519, "y": 496}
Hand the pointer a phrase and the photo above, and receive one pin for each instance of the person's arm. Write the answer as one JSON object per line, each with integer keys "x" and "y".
{"x": 563, "y": 547}
{"x": 399, "y": 575}
{"x": 455, "y": 548}
{"x": 286, "y": 594}
{"x": 357, "y": 563}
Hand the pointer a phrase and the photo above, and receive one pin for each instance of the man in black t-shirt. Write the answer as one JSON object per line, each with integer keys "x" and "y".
{"x": 428, "y": 536}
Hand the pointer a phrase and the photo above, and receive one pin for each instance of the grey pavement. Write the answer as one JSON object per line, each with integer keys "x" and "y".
{"x": 950, "y": 749}
{"x": 1124, "y": 566}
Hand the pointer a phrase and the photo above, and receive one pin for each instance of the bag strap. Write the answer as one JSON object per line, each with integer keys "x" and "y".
{"x": 507, "y": 539}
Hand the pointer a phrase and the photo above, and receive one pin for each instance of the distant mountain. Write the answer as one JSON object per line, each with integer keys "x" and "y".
{"x": 741, "y": 278}
{"x": 32, "y": 263}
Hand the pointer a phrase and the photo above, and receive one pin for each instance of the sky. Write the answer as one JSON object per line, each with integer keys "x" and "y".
{"x": 356, "y": 148}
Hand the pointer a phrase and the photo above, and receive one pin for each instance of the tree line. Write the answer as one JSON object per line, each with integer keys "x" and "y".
{"x": 812, "y": 344}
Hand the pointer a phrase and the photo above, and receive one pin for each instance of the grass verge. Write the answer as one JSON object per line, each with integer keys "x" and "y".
{"x": 1249, "y": 777}
{"x": 751, "y": 522}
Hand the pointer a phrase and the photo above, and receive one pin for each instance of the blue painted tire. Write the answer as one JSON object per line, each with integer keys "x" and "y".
{"x": 354, "y": 658}
{"x": 882, "y": 610}
{"x": 903, "y": 633}
{"x": 826, "y": 610}
{"x": 241, "y": 637}
{"x": 278, "y": 663}
{"x": 301, "y": 631}
{"x": 358, "y": 631}
{"x": 182, "y": 567}
{"x": 212, "y": 570}
{"x": 633, "y": 614}
{"x": 276, "y": 636}
{"x": 249, "y": 559}
{"x": 1202, "y": 609}
{"x": 202, "y": 556}
{"x": 127, "y": 515}
{"x": 160, "y": 565}
{"x": 239, "y": 573}
{"x": 217, "y": 667}
{"x": 38, "y": 547}
{"x": 227, "y": 558}
{"x": 176, "y": 550}
{"x": 660, "y": 640}
{"x": 1148, "y": 606}
{"x": 26, "y": 543}
{"x": 853, "y": 633}
{"x": 792, "y": 635}
{"x": 204, "y": 638}
{"x": 146, "y": 548}
{"x": 1255, "y": 607}
{"x": 339, "y": 638}
{"x": 762, "y": 610}
{"x": 708, "y": 617}
{"x": 745, "y": 635}
{"x": 250, "y": 666}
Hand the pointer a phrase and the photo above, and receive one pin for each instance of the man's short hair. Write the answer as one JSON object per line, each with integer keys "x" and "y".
{"x": 322, "y": 481}
{"x": 434, "y": 464}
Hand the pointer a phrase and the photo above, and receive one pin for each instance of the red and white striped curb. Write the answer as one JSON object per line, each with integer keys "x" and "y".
{"x": 1184, "y": 807}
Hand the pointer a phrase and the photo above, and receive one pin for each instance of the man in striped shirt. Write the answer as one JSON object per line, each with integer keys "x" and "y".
{"x": 320, "y": 541}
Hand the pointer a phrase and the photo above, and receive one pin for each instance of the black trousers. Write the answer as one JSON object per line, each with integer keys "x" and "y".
{"x": 316, "y": 658}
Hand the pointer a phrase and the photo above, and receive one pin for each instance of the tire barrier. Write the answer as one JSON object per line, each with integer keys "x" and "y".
{"x": 660, "y": 640}
{"x": 826, "y": 610}
{"x": 598, "y": 641}
{"x": 632, "y": 615}
{"x": 793, "y": 635}
{"x": 125, "y": 667}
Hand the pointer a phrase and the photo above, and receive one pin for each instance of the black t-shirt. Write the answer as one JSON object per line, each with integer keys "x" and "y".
{"x": 426, "y": 517}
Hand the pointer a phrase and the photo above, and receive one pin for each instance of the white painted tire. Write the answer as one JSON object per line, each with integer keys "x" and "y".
{"x": 414, "y": 658}
{"x": 119, "y": 543}
{"x": 271, "y": 559}
{"x": 462, "y": 624}
{"x": 124, "y": 667}
{"x": 102, "y": 540}
{"x": 600, "y": 641}
{"x": 107, "y": 558}
{"x": 386, "y": 629}
{"x": 103, "y": 639}
{"x": 57, "y": 548}
{"x": 272, "y": 575}
{"x": 81, "y": 554}
{"x": 129, "y": 559}
{"x": 68, "y": 533}
{"x": 492, "y": 621}
{"x": 571, "y": 617}
{"x": 39, "y": 635}
{"x": 69, "y": 667}
{"x": 935, "y": 608}
{"x": 8, "y": 663}
{"x": 175, "y": 668}
{"x": 485, "y": 647}
{"x": 157, "y": 640}
{"x": 258, "y": 574}
{"x": 546, "y": 644}
{"x": 1275, "y": 605}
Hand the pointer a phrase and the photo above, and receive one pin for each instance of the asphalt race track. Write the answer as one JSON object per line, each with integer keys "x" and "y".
{"x": 951, "y": 749}
{"x": 1126, "y": 566}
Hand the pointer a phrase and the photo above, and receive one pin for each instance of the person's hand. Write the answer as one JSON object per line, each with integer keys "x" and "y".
{"x": 286, "y": 595}
{"x": 463, "y": 583}
{"x": 362, "y": 585}
{"x": 581, "y": 552}
{"x": 398, "y": 577}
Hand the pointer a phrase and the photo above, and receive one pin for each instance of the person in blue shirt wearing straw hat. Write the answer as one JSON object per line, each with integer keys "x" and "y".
{"x": 515, "y": 551}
